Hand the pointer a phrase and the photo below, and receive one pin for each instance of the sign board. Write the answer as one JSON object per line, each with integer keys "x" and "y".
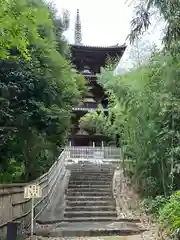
{"x": 32, "y": 191}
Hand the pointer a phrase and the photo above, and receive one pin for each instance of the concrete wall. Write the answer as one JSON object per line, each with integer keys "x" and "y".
{"x": 13, "y": 206}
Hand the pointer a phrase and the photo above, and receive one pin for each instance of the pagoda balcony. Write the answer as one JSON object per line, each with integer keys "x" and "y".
{"x": 86, "y": 109}
{"x": 90, "y": 77}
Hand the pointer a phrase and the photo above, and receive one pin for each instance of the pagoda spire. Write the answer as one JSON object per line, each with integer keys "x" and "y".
{"x": 78, "y": 35}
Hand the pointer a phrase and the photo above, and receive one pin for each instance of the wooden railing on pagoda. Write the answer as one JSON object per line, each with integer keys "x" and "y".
{"x": 88, "y": 109}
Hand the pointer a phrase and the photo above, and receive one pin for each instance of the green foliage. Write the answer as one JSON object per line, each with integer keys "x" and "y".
{"x": 171, "y": 15}
{"x": 19, "y": 24}
{"x": 36, "y": 98}
{"x": 93, "y": 121}
{"x": 153, "y": 205}
{"x": 81, "y": 84}
{"x": 169, "y": 215}
{"x": 144, "y": 112}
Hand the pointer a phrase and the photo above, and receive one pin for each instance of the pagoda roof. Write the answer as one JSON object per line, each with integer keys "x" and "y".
{"x": 94, "y": 56}
{"x": 86, "y": 47}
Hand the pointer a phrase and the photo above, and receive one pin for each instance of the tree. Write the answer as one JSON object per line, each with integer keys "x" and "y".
{"x": 144, "y": 112}
{"x": 36, "y": 98}
{"x": 170, "y": 12}
{"x": 19, "y": 22}
{"x": 141, "y": 52}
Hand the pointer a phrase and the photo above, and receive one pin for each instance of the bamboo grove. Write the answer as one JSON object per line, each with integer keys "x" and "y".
{"x": 144, "y": 117}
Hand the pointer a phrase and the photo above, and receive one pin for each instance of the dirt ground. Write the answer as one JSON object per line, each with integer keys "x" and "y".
{"x": 127, "y": 202}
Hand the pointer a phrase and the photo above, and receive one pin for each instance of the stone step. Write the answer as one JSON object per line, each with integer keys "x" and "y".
{"x": 86, "y": 221}
{"x": 98, "y": 176}
{"x": 89, "y": 182}
{"x": 72, "y": 186}
{"x": 93, "y": 174}
{"x": 87, "y": 193}
{"x": 92, "y": 171}
{"x": 90, "y": 219}
{"x": 89, "y": 198}
{"x": 59, "y": 233}
{"x": 90, "y": 214}
{"x": 88, "y": 228}
{"x": 88, "y": 178}
{"x": 90, "y": 208}
{"x": 84, "y": 202}
{"x": 72, "y": 190}
{"x": 92, "y": 167}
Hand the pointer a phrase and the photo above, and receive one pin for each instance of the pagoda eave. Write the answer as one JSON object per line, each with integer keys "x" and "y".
{"x": 87, "y": 137}
{"x": 98, "y": 49}
{"x": 94, "y": 57}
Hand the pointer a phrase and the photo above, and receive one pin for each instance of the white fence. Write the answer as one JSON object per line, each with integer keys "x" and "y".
{"x": 94, "y": 154}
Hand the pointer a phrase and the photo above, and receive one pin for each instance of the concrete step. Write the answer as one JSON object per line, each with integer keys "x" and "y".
{"x": 91, "y": 167}
{"x": 87, "y": 193}
{"x": 89, "y": 198}
{"x": 93, "y": 174}
{"x": 90, "y": 219}
{"x": 72, "y": 190}
{"x": 90, "y": 208}
{"x": 90, "y": 214}
{"x": 84, "y": 202}
{"x": 89, "y": 178}
{"x": 59, "y": 233}
{"x": 72, "y": 186}
{"x": 78, "y": 178}
{"x": 89, "y": 228}
{"x": 94, "y": 171}
{"x": 86, "y": 221}
{"x": 89, "y": 182}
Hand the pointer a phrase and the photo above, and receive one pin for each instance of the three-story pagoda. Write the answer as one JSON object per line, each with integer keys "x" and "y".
{"x": 88, "y": 60}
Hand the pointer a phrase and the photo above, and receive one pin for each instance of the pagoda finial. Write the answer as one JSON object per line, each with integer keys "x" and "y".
{"x": 78, "y": 37}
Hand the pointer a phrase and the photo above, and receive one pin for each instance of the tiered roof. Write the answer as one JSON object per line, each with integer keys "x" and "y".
{"x": 94, "y": 56}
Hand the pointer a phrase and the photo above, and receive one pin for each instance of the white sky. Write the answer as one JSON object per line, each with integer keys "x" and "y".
{"x": 107, "y": 23}
{"x": 103, "y": 22}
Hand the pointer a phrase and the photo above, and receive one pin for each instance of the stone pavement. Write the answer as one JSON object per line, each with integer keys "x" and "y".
{"x": 137, "y": 237}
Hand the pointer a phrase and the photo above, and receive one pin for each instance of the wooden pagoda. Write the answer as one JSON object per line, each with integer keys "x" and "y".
{"x": 88, "y": 60}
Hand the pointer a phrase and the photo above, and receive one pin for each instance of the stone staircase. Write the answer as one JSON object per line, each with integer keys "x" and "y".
{"x": 90, "y": 207}
{"x": 89, "y": 194}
